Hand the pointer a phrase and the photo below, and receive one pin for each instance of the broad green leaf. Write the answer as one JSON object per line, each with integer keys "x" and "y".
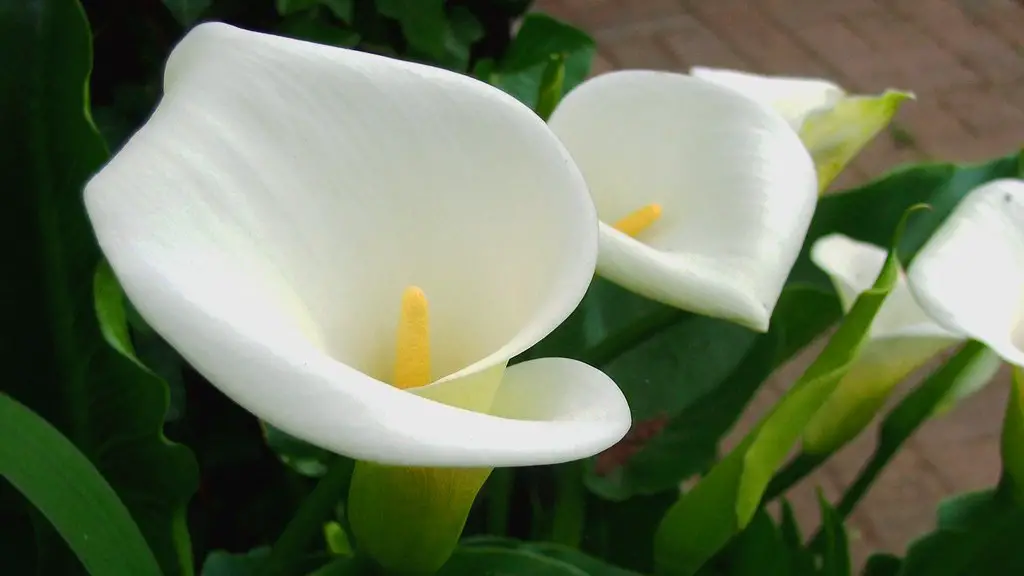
{"x": 689, "y": 441}
{"x": 1013, "y": 438}
{"x": 488, "y": 555}
{"x": 186, "y": 12}
{"x": 835, "y": 560}
{"x": 724, "y": 501}
{"x": 978, "y": 533}
{"x": 56, "y": 359}
{"x": 61, "y": 482}
{"x": 221, "y": 563}
{"x": 423, "y": 23}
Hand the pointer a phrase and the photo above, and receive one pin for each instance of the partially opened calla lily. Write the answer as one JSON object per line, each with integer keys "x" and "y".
{"x": 353, "y": 247}
{"x": 901, "y": 339}
{"x": 969, "y": 276}
{"x": 833, "y": 125}
{"x": 704, "y": 195}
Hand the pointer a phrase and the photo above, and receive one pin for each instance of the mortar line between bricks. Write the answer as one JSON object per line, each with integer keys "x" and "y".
{"x": 746, "y": 54}
{"x": 947, "y": 484}
{"x": 864, "y": 522}
{"x": 941, "y": 43}
{"x": 938, "y": 96}
{"x": 839, "y": 76}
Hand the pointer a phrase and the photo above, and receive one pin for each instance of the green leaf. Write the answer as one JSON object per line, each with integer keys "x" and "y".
{"x": 801, "y": 560}
{"x": 883, "y": 565}
{"x": 1012, "y": 442}
{"x": 55, "y": 357}
{"x": 539, "y": 38}
{"x": 701, "y": 358}
{"x": 521, "y": 72}
{"x": 222, "y": 563}
{"x": 872, "y": 212}
{"x": 759, "y": 550}
{"x": 306, "y": 459}
{"x": 463, "y": 31}
{"x": 725, "y": 500}
{"x": 186, "y": 12}
{"x": 61, "y": 482}
{"x": 309, "y": 26}
{"x": 342, "y": 9}
{"x": 488, "y": 555}
{"x": 912, "y": 411}
{"x": 978, "y": 533}
{"x": 551, "y": 86}
{"x": 835, "y": 559}
{"x": 287, "y": 7}
{"x": 623, "y": 532}
{"x": 423, "y": 23}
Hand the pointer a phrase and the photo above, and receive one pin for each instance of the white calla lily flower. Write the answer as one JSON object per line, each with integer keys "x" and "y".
{"x": 834, "y": 125}
{"x": 704, "y": 196}
{"x": 901, "y": 339}
{"x": 289, "y": 210}
{"x": 969, "y": 276}
{"x": 795, "y": 98}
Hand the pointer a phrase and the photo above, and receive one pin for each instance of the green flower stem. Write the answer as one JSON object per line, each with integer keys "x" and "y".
{"x": 498, "y": 493}
{"x": 307, "y": 523}
{"x": 797, "y": 469}
{"x": 900, "y": 425}
{"x": 570, "y": 505}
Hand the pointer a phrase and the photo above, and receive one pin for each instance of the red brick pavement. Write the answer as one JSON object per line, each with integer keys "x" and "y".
{"x": 964, "y": 59}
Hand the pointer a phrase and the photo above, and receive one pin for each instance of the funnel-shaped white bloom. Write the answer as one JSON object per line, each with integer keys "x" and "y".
{"x": 969, "y": 276}
{"x": 834, "y": 126}
{"x": 794, "y": 98}
{"x": 269, "y": 215}
{"x": 901, "y": 339}
{"x": 734, "y": 187}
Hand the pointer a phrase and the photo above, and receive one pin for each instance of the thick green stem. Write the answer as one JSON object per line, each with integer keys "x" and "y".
{"x": 307, "y": 523}
{"x": 570, "y": 505}
{"x": 498, "y": 492}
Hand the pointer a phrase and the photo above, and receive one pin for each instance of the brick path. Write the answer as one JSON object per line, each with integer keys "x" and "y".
{"x": 964, "y": 59}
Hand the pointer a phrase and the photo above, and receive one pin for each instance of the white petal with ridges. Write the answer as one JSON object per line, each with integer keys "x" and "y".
{"x": 736, "y": 187}
{"x": 969, "y": 276}
{"x": 853, "y": 267}
{"x": 794, "y": 98}
{"x": 902, "y": 338}
{"x": 268, "y": 216}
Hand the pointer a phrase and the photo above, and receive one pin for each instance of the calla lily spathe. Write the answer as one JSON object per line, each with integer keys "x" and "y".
{"x": 969, "y": 276}
{"x": 270, "y": 215}
{"x": 901, "y": 339}
{"x": 704, "y": 195}
{"x": 833, "y": 125}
